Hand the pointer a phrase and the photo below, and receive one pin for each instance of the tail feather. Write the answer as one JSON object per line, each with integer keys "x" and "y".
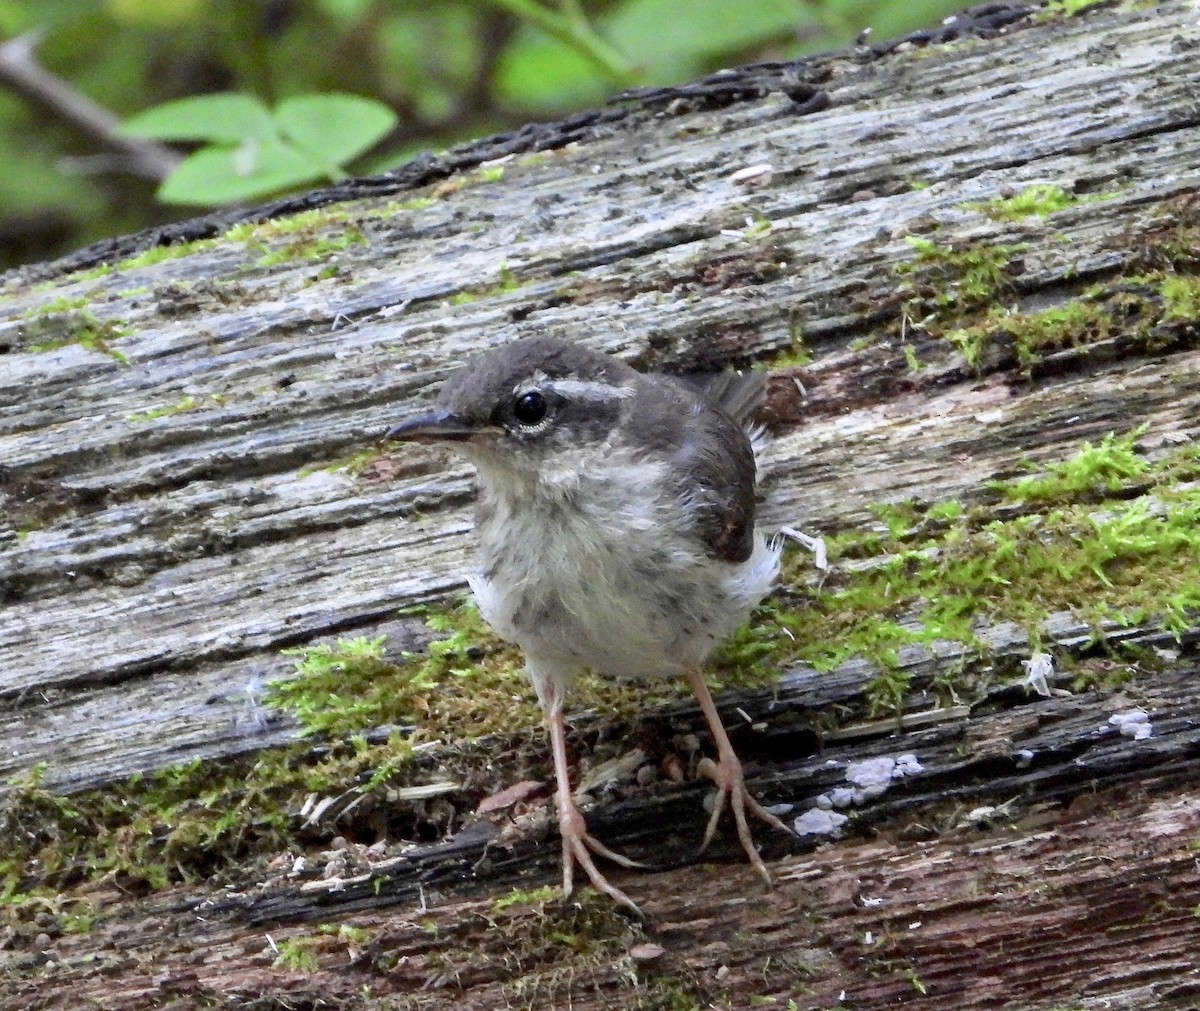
{"x": 738, "y": 394}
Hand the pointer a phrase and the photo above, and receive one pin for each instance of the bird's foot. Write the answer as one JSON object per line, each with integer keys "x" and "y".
{"x": 731, "y": 788}
{"x": 577, "y": 848}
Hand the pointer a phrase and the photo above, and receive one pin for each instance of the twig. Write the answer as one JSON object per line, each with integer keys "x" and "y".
{"x": 20, "y": 69}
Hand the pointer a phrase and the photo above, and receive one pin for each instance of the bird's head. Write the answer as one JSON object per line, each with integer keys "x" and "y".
{"x": 528, "y": 404}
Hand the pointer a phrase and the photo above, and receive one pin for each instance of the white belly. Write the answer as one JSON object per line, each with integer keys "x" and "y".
{"x": 605, "y": 589}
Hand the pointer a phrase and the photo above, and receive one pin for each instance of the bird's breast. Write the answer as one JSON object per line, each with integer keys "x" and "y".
{"x": 609, "y": 577}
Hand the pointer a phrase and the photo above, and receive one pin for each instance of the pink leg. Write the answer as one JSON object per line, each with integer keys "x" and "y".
{"x": 577, "y": 845}
{"x": 726, "y": 773}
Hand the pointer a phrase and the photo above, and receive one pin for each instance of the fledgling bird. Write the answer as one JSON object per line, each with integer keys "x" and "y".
{"x": 616, "y": 532}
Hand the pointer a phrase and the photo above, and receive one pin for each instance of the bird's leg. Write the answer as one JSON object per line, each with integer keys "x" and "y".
{"x": 577, "y": 845}
{"x": 726, "y": 773}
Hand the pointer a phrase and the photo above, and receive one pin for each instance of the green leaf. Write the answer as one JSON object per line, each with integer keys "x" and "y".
{"x": 535, "y": 73}
{"x": 219, "y": 175}
{"x": 659, "y": 32}
{"x": 226, "y": 118}
{"x": 333, "y": 128}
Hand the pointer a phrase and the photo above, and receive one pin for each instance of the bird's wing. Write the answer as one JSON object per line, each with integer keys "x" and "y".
{"x": 718, "y": 464}
{"x": 710, "y": 459}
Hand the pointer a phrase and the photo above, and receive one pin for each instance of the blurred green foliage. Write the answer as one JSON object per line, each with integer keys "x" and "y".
{"x": 251, "y": 151}
{"x": 435, "y": 74}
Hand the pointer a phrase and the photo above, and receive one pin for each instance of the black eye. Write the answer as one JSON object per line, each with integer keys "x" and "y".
{"x": 529, "y": 408}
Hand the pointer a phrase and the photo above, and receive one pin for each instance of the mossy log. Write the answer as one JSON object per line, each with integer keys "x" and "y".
{"x": 962, "y": 259}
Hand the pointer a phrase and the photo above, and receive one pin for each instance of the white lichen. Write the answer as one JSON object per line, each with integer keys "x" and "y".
{"x": 1133, "y": 723}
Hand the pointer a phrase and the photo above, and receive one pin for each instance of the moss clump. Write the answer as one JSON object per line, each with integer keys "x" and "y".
{"x": 180, "y": 824}
{"x": 1092, "y": 474}
{"x": 1032, "y": 335}
{"x": 311, "y": 235}
{"x": 1181, "y": 298}
{"x": 523, "y": 897}
{"x": 1108, "y": 534}
{"x": 948, "y": 281}
{"x": 354, "y": 465}
{"x": 467, "y": 680}
{"x": 1145, "y": 311}
{"x": 184, "y": 404}
{"x": 1069, "y": 8}
{"x": 507, "y": 282}
{"x": 318, "y": 248}
{"x": 964, "y": 293}
{"x": 1041, "y": 199}
{"x": 301, "y": 953}
{"x": 413, "y": 204}
{"x": 158, "y": 254}
{"x": 189, "y": 823}
{"x": 348, "y": 686}
{"x": 50, "y": 330}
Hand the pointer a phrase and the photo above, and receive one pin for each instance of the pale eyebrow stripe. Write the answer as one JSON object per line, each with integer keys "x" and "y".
{"x": 589, "y": 390}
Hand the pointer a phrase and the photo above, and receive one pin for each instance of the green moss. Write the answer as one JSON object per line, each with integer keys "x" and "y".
{"x": 304, "y": 221}
{"x": 544, "y": 947}
{"x": 50, "y": 329}
{"x": 297, "y": 954}
{"x": 1106, "y": 534}
{"x": 798, "y": 355}
{"x": 1141, "y": 311}
{"x": 157, "y": 254}
{"x": 92, "y": 273}
{"x": 354, "y": 464}
{"x": 58, "y": 305}
{"x": 1181, "y": 298}
{"x": 1067, "y": 7}
{"x": 184, "y": 824}
{"x": 1093, "y": 473}
{"x": 317, "y": 248}
{"x": 309, "y": 235}
{"x": 1041, "y": 199}
{"x": 414, "y": 204}
{"x": 948, "y": 510}
{"x": 188, "y": 403}
{"x": 947, "y": 281}
{"x": 347, "y": 932}
{"x": 349, "y": 686}
{"x": 522, "y": 897}
{"x": 761, "y": 227}
{"x": 507, "y": 282}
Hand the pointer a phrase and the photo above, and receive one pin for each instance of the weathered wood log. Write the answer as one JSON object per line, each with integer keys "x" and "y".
{"x": 177, "y": 410}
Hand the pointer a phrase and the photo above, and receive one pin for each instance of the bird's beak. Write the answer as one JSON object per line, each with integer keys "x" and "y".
{"x": 437, "y": 426}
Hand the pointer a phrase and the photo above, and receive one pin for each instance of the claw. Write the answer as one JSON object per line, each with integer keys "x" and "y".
{"x": 577, "y": 844}
{"x": 726, "y": 774}
{"x": 730, "y": 786}
{"x": 577, "y": 848}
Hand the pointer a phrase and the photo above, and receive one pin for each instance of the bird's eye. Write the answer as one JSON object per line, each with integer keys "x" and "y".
{"x": 529, "y": 408}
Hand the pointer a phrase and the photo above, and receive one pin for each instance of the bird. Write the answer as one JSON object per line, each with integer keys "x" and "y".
{"x": 615, "y": 521}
